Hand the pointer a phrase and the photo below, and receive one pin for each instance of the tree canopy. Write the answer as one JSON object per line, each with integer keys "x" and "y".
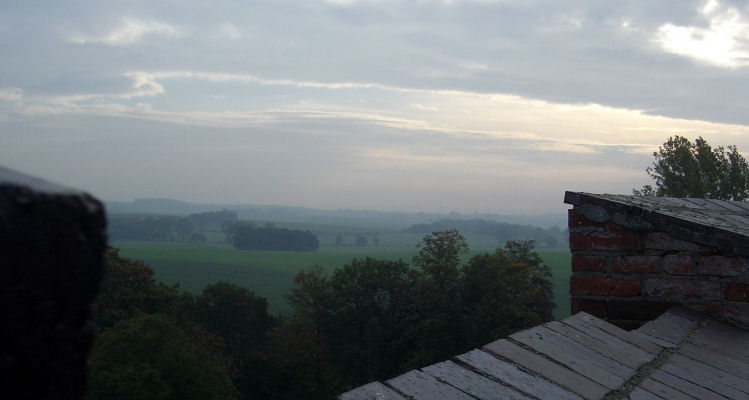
{"x": 374, "y": 319}
{"x": 370, "y": 320}
{"x": 685, "y": 169}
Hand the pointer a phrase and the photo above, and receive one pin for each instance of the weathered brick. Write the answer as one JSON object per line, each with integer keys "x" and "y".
{"x": 593, "y": 307}
{"x": 588, "y": 263}
{"x": 678, "y": 264}
{"x": 722, "y": 265}
{"x": 635, "y": 264}
{"x": 598, "y": 286}
{"x": 605, "y": 241}
{"x": 576, "y": 220}
{"x": 684, "y": 288}
{"x": 666, "y": 242}
{"x": 737, "y": 292}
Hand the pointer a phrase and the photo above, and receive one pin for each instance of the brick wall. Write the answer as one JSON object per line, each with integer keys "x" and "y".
{"x": 627, "y": 271}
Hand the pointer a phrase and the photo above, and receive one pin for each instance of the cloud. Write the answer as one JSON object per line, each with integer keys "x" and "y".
{"x": 144, "y": 84}
{"x": 229, "y": 31}
{"x": 131, "y": 31}
{"x": 11, "y": 94}
{"x": 724, "y": 42}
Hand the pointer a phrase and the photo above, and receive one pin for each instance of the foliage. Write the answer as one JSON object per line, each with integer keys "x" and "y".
{"x": 167, "y": 228}
{"x": 248, "y": 236}
{"x": 374, "y": 319}
{"x": 685, "y": 169}
{"x": 369, "y": 320}
{"x": 505, "y": 292}
{"x": 128, "y": 287}
{"x": 503, "y": 232}
{"x": 152, "y": 357}
{"x": 241, "y": 320}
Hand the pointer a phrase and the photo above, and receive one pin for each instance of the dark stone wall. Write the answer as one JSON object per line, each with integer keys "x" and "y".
{"x": 52, "y": 242}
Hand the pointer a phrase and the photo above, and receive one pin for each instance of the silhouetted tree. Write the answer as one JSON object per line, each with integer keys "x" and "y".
{"x": 685, "y": 169}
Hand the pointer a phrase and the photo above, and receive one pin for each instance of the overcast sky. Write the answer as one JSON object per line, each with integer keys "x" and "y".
{"x": 465, "y": 105}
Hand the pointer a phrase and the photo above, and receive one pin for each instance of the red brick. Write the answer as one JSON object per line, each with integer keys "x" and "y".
{"x": 635, "y": 264}
{"x": 593, "y": 307}
{"x": 597, "y": 286}
{"x": 722, "y": 266}
{"x": 683, "y": 288}
{"x": 588, "y": 263}
{"x": 678, "y": 264}
{"x": 575, "y": 220}
{"x": 606, "y": 241}
{"x": 664, "y": 241}
{"x": 737, "y": 292}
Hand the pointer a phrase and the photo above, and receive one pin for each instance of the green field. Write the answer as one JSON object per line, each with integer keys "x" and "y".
{"x": 271, "y": 273}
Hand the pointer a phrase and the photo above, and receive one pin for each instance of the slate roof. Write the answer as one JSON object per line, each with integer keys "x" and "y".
{"x": 719, "y": 223}
{"x": 680, "y": 355}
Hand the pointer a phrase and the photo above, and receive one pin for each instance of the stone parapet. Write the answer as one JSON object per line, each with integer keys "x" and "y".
{"x": 52, "y": 241}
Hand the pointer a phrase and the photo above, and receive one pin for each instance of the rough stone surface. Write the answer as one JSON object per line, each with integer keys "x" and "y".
{"x": 52, "y": 242}
{"x": 635, "y": 255}
{"x": 635, "y": 265}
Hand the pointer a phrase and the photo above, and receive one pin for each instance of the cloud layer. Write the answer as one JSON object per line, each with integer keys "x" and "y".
{"x": 435, "y": 105}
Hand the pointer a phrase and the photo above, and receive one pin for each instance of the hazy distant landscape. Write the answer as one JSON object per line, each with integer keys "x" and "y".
{"x": 343, "y": 235}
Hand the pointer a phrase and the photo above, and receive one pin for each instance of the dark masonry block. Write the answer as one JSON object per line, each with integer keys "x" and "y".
{"x": 606, "y": 241}
{"x": 592, "y": 307}
{"x": 598, "y": 286}
{"x": 588, "y": 263}
{"x": 52, "y": 241}
{"x": 637, "y": 310}
{"x": 737, "y": 292}
{"x": 575, "y": 220}
{"x": 635, "y": 264}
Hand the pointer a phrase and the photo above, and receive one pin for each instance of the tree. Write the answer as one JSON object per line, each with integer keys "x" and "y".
{"x": 439, "y": 258}
{"x": 129, "y": 287}
{"x": 372, "y": 306}
{"x": 685, "y": 169}
{"x": 152, "y": 357}
{"x": 437, "y": 327}
{"x": 241, "y": 319}
{"x": 505, "y": 292}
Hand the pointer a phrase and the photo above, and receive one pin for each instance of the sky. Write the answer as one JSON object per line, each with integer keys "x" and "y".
{"x": 464, "y": 105}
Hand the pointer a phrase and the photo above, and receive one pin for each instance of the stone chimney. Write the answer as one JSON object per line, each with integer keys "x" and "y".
{"x": 634, "y": 257}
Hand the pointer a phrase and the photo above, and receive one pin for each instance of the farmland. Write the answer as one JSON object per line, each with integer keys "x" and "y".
{"x": 271, "y": 273}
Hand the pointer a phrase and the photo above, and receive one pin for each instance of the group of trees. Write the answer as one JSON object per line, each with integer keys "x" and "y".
{"x": 248, "y": 236}
{"x": 167, "y": 228}
{"x": 503, "y": 232}
{"x": 685, "y": 169}
{"x": 372, "y": 319}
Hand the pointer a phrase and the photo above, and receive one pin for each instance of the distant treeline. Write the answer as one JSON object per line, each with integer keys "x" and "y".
{"x": 248, "y": 236}
{"x": 167, "y": 228}
{"x": 503, "y": 232}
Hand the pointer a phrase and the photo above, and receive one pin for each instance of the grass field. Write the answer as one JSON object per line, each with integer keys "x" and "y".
{"x": 271, "y": 273}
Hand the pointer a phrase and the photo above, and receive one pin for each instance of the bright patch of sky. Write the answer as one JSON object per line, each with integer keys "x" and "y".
{"x": 722, "y": 41}
{"x": 494, "y": 106}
